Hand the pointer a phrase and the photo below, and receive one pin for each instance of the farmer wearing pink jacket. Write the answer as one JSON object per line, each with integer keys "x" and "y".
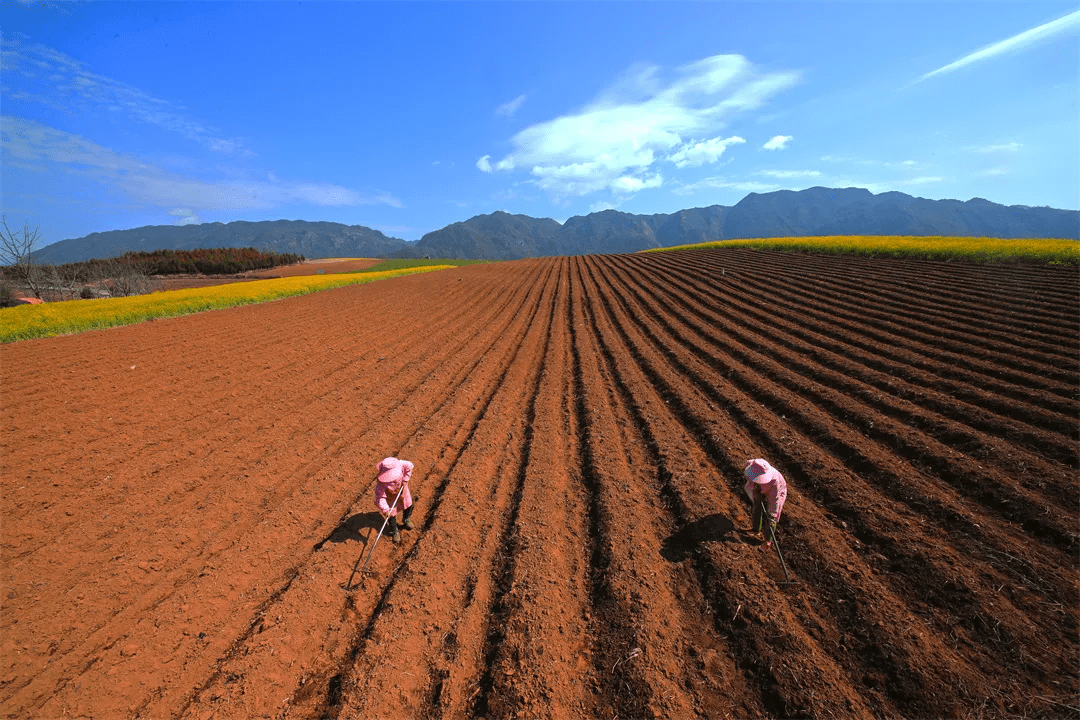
{"x": 393, "y": 477}
{"x": 765, "y": 485}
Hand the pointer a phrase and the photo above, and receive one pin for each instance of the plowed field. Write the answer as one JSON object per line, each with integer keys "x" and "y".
{"x": 185, "y": 501}
{"x": 308, "y": 267}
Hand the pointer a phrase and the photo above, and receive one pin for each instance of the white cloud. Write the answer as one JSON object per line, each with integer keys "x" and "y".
{"x": 1022, "y": 41}
{"x": 40, "y": 145}
{"x": 992, "y": 172}
{"x": 74, "y": 88}
{"x": 708, "y": 151}
{"x": 778, "y": 142}
{"x": 908, "y": 163}
{"x": 484, "y": 164}
{"x": 1004, "y": 147}
{"x": 598, "y": 207}
{"x": 786, "y": 174}
{"x": 509, "y": 108}
{"x": 630, "y": 184}
{"x": 644, "y": 117}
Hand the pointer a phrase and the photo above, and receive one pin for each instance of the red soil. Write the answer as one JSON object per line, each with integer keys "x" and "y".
{"x": 308, "y": 267}
{"x": 314, "y": 267}
{"x": 185, "y": 501}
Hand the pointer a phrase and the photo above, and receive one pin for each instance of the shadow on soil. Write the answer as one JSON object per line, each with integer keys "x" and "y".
{"x": 355, "y": 528}
{"x": 711, "y": 528}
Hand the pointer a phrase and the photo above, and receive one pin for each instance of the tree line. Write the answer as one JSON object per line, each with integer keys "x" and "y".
{"x": 215, "y": 261}
{"x": 132, "y": 273}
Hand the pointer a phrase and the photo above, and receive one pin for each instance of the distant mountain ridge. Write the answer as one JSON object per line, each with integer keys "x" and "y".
{"x": 310, "y": 239}
{"x": 503, "y": 236}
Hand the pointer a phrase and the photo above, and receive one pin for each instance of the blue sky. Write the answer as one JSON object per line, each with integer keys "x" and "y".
{"x": 406, "y": 117}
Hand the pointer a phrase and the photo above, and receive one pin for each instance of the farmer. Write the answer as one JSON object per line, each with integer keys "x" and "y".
{"x": 393, "y": 477}
{"x": 765, "y": 485}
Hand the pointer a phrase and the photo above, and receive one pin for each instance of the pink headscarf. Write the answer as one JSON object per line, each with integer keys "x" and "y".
{"x": 392, "y": 470}
{"x": 761, "y": 472}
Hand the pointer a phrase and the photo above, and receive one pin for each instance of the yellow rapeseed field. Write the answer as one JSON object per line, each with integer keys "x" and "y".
{"x": 59, "y": 318}
{"x": 977, "y": 249}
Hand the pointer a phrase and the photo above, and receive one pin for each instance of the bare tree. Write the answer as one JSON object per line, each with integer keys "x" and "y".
{"x": 65, "y": 280}
{"x": 125, "y": 276}
{"x": 16, "y": 251}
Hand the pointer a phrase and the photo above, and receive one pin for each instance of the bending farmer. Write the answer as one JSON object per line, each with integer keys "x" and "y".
{"x": 394, "y": 476}
{"x": 766, "y": 486}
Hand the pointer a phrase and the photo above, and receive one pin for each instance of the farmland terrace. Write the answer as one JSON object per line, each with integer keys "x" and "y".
{"x": 186, "y": 501}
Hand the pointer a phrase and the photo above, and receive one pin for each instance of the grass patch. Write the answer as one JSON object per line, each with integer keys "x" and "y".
{"x": 1043, "y": 251}
{"x": 25, "y": 322}
{"x": 405, "y": 264}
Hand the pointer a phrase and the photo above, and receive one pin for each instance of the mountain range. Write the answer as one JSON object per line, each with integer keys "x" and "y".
{"x": 502, "y": 236}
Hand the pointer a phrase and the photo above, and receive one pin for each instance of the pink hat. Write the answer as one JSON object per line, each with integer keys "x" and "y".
{"x": 387, "y": 467}
{"x": 758, "y": 471}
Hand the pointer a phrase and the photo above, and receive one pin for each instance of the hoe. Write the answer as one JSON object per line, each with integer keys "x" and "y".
{"x": 393, "y": 509}
{"x": 776, "y": 545}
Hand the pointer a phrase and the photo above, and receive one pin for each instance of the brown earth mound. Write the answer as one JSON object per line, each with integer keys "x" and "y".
{"x": 186, "y": 501}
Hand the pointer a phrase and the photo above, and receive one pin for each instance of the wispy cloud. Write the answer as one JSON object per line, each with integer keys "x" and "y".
{"x": 64, "y": 83}
{"x": 33, "y": 144}
{"x": 787, "y": 174}
{"x": 647, "y": 116}
{"x": 777, "y": 143}
{"x": 509, "y": 108}
{"x": 921, "y": 180}
{"x": 184, "y": 216}
{"x": 855, "y": 160}
{"x": 993, "y": 172}
{"x": 1003, "y": 147}
{"x": 843, "y": 159}
{"x": 1022, "y": 41}
{"x": 713, "y": 183}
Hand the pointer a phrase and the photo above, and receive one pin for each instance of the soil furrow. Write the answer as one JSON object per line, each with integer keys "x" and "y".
{"x": 201, "y": 564}
{"x": 1007, "y": 401}
{"x": 472, "y": 404}
{"x": 366, "y": 692}
{"x": 816, "y": 352}
{"x": 785, "y": 693}
{"x": 722, "y": 350}
{"x": 878, "y": 541}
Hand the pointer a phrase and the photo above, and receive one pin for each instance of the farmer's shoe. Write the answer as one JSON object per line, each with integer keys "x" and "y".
{"x": 406, "y": 523}
{"x": 392, "y": 527}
